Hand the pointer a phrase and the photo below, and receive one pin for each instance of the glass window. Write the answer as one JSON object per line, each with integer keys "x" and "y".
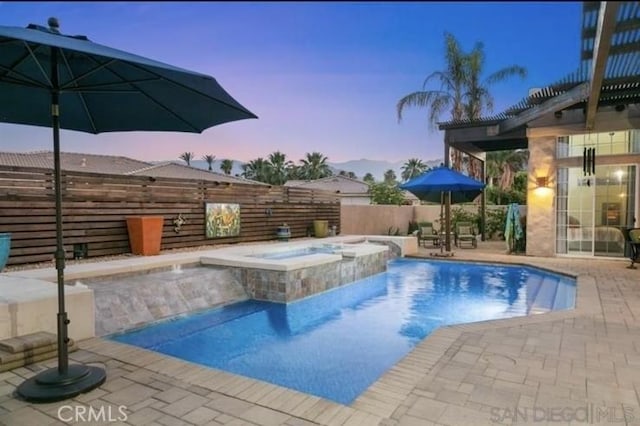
{"x": 607, "y": 143}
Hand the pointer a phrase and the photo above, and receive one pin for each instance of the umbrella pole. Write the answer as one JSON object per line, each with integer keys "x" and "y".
{"x": 63, "y": 321}
{"x": 64, "y": 382}
{"x": 442, "y": 243}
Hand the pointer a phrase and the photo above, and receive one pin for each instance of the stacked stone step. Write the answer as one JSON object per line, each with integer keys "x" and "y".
{"x": 24, "y": 350}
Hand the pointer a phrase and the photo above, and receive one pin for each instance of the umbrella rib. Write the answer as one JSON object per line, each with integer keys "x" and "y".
{"x": 167, "y": 109}
{"x": 11, "y": 70}
{"x": 75, "y": 79}
{"x": 82, "y": 100}
{"x": 24, "y": 81}
{"x": 142, "y": 92}
{"x": 38, "y": 64}
{"x": 96, "y": 87}
{"x": 187, "y": 87}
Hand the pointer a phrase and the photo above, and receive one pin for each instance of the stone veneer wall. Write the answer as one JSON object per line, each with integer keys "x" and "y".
{"x": 541, "y": 235}
{"x": 287, "y": 286}
{"x": 126, "y": 301}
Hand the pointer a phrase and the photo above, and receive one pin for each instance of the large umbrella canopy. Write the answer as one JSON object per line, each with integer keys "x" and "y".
{"x": 430, "y": 185}
{"x": 435, "y": 183}
{"x": 69, "y": 82}
{"x": 103, "y": 89}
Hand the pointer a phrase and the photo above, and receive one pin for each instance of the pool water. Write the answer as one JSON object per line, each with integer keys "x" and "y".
{"x": 336, "y": 344}
{"x": 297, "y": 252}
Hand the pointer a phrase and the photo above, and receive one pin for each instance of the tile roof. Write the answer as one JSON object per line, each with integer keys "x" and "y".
{"x": 112, "y": 164}
{"x": 181, "y": 171}
{"x": 342, "y": 184}
{"x": 73, "y": 161}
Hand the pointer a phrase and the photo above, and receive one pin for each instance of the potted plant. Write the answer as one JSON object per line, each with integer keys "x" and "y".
{"x": 283, "y": 232}
{"x": 145, "y": 234}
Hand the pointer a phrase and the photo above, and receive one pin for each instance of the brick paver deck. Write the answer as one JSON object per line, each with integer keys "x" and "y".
{"x": 572, "y": 367}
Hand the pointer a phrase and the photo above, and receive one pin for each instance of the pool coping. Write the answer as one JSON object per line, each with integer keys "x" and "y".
{"x": 378, "y": 401}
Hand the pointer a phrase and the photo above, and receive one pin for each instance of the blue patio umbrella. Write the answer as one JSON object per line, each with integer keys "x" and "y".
{"x": 513, "y": 228}
{"x": 435, "y": 183}
{"x": 61, "y": 81}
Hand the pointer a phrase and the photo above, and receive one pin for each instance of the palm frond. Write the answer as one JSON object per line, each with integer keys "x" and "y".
{"x": 422, "y": 99}
{"x": 502, "y": 74}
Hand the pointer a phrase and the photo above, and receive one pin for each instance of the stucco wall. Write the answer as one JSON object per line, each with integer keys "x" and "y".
{"x": 540, "y": 202}
{"x": 374, "y": 219}
{"x": 377, "y": 219}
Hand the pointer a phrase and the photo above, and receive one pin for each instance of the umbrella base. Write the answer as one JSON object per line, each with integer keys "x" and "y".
{"x": 51, "y": 386}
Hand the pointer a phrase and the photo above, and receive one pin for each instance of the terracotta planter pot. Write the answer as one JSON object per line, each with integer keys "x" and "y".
{"x": 145, "y": 234}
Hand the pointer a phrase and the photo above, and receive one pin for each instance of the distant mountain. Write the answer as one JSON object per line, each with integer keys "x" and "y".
{"x": 375, "y": 167}
{"x": 359, "y": 167}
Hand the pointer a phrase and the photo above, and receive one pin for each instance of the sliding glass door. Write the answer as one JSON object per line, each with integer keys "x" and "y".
{"x": 592, "y": 210}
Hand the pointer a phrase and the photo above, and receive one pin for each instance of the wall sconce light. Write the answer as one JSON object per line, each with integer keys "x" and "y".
{"x": 557, "y": 114}
{"x": 542, "y": 182}
{"x": 620, "y": 108}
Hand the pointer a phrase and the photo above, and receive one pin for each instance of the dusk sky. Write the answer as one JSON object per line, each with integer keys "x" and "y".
{"x": 320, "y": 76}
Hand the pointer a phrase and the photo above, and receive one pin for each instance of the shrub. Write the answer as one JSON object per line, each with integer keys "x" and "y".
{"x": 458, "y": 214}
{"x": 496, "y": 220}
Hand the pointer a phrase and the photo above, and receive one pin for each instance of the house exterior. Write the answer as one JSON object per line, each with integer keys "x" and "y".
{"x": 583, "y": 137}
{"x": 113, "y": 164}
{"x": 351, "y": 191}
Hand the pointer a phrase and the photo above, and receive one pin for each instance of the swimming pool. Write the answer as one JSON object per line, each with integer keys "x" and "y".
{"x": 337, "y": 343}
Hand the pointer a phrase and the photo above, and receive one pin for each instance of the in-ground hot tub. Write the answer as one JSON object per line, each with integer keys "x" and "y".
{"x": 284, "y": 273}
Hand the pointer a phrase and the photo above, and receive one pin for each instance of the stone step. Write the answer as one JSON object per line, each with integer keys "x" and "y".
{"x": 6, "y": 357}
{"x": 24, "y": 350}
{"x": 28, "y": 341}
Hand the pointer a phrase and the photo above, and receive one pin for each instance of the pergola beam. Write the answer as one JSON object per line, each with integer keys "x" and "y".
{"x": 565, "y": 100}
{"x": 602, "y": 44}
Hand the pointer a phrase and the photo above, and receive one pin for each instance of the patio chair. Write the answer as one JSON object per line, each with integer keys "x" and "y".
{"x": 427, "y": 233}
{"x": 464, "y": 233}
{"x": 632, "y": 237}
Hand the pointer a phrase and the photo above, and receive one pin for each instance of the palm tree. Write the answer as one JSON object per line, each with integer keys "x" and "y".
{"x": 209, "y": 159}
{"x": 368, "y": 178}
{"x": 187, "y": 156}
{"x": 389, "y": 176}
{"x": 315, "y": 166}
{"x": 345, "y": 173}
{"x": 461, "y": 91}
{"x": 478, "y": 98}
{"x": 278, "y": 168}
{"x": 257, "y": 169}
{"x": 226, "y": 166}
{"x": 502, "y": 166}
{"x": 450, "y": 96}
{"x": 294, "y": 172}
{"x": 414, "y": 167}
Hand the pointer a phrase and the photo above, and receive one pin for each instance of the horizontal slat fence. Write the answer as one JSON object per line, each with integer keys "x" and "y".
{"x": 95, "y": 207}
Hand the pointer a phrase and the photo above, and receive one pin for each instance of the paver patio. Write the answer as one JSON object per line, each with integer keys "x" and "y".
{"x": 571, "y": 367}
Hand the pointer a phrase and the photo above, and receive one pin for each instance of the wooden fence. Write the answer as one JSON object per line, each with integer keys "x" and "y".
{"x": 95, "y": 207}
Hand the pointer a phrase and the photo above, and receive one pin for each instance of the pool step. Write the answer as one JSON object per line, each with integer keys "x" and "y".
{"x": 565, "y": 297}
{"x": 545, "y": 296}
